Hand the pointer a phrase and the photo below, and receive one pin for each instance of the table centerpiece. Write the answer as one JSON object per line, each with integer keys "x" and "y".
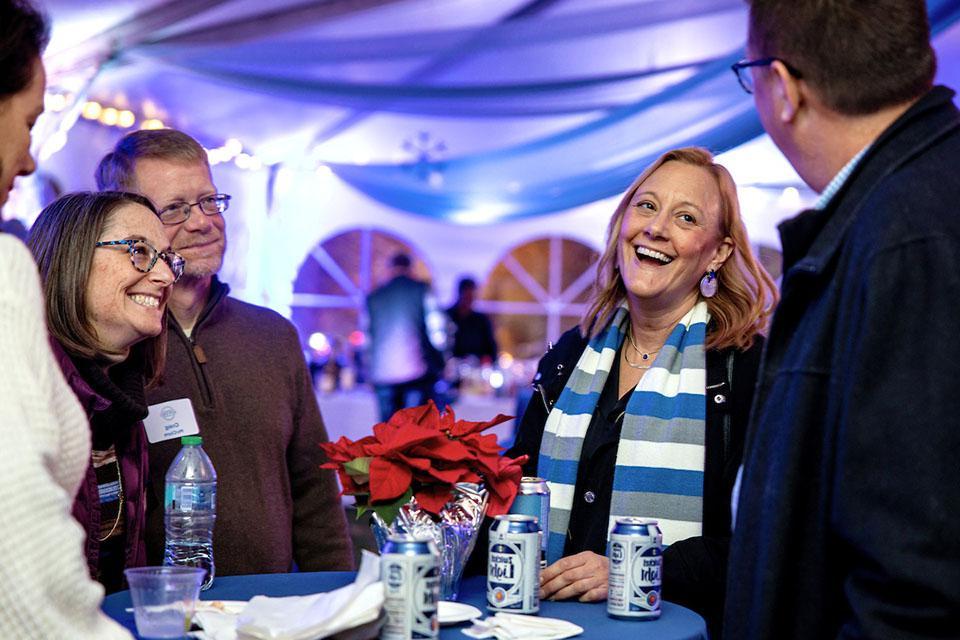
{"x": 423, "y": 471}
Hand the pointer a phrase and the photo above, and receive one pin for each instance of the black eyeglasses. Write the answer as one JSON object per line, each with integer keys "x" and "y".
{"x": 180, "y": 211}
{"x": 745, "y": 78}
{"x": 144, "y": 256}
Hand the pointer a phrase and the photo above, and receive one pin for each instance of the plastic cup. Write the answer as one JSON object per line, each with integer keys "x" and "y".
{"x": 164, "y": 599}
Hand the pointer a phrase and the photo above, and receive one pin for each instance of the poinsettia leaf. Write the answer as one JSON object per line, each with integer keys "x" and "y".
{"x": 388, "y": 479}
{"x": 464, "y": 427}
{"x": 361, "y": 503}
{"x": 444, "y": 449}
{"x": 345, "y": 449}
{"x": 358, "y": 466}
{"x": 391, "y": 439}
{"x": 504, "y": 485}
{"x": 389, "y": 510}
{"x": 350, "y": 487}
{"x": 358, "y": 469}
{"x": 449, "y": 476}
{"x": 415, "y": 415}
{"x": 433, "y": 497}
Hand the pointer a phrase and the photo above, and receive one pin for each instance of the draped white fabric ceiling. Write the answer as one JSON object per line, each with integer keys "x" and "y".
{"x": 419, "y": 113}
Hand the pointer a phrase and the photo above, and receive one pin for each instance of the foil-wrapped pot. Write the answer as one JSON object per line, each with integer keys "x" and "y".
{"x": 455, "y": 532}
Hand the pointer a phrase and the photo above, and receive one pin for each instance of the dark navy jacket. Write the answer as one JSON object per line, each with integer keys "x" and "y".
{"x": 849, "y": 514}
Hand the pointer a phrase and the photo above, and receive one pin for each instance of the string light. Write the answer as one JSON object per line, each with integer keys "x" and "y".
{"x": 126, "y": 119}
{"x": 112, "y": 116}
{"x": 91, "y": 110}
{"x": 56, "y": 102}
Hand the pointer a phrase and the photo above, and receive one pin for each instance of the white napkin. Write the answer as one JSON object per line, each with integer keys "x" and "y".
{"x": 514, "y": 626}
{"x": 303, "y": 617}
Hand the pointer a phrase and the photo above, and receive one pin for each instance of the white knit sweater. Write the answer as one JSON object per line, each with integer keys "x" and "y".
{"x": 45, "y": 588}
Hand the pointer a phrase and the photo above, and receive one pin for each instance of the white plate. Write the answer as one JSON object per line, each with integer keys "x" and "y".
{"x": 456, "y": 612}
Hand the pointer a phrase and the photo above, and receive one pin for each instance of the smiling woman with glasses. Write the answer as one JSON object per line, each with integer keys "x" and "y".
{"x": 108, "y": 324}
{"x": 144, "y": 256}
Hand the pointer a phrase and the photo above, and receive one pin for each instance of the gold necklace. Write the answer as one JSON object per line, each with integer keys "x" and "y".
{"x": 645, "y": 356}
{"x": 634, "y": 365}
{"x": 116, "y": 522}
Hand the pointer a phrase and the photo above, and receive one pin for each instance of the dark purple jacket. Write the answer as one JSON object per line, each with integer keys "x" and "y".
{"x": 131, "y": 449}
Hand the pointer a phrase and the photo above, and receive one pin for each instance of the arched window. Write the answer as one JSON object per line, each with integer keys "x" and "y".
{"x": 537, "y": 291}
{"x": 337, "y": 275}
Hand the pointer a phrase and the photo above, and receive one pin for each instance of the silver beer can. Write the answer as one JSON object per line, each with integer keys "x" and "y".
{"x": 533, "y": 499}
{"x": 636, "y": 563}
{"x": 513, "y": 564}
{"x": 410, "y": 571}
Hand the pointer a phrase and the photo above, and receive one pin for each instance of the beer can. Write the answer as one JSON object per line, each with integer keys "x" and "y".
{"x": 636, "y": 563}
{"x": 410, "y": 571}
{"x": 513, "y": 564}
{"x": 533, "y": 499}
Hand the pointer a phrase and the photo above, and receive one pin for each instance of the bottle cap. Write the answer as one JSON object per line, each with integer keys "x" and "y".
{"x": 189, "y": 440}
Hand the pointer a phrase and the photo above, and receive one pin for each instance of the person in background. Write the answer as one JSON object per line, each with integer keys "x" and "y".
{"x": 45, "y": 586}
{"x": 406, "y": 336}
{"x": 473, "y": 334}
{"x": 849, "y": 508}
{"x": 242, "y": 370}
{"x": 642, "y": 409}
{"x": 107, "y": 269}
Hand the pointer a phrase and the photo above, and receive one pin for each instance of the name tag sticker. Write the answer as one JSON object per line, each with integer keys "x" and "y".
{"x": 169, "y": 420}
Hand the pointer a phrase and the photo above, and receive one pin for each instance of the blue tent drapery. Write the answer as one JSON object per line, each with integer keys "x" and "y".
{"x": 587, "y": 163}
{"x": 582, "y": 164}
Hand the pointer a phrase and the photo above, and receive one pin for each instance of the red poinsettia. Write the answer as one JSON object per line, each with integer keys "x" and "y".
{"x": 423, "y": 453}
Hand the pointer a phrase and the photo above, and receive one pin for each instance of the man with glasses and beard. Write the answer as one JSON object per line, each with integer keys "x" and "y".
{"x": 243, "y": 371}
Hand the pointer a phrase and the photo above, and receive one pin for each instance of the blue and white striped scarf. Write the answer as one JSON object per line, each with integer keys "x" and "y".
{"x": 660, "y": 458}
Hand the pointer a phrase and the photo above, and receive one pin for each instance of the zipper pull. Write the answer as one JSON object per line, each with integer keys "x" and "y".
{"x": 199, "y": 354}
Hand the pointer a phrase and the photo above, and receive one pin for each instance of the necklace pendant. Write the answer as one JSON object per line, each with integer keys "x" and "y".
{"x": 646, "y": 356}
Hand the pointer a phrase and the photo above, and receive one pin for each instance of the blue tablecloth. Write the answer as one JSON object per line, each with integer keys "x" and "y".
{"x": 675, "y": 623}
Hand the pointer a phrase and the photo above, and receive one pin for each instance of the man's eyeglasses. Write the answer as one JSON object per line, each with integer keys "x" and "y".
{"x": 145, "y": 256}
{"x": 745, "y": 78}
{"x": 180, "y": 211}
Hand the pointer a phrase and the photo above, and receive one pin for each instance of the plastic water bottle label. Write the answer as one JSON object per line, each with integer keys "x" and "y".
{"x": 190, "y": 497}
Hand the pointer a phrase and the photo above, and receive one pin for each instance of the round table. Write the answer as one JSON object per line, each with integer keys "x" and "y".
{"x": 675, "y": 623}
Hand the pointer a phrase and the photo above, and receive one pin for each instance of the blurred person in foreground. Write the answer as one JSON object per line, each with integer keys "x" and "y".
{"x": 642, "y": 409}
{"x": 45, "y": 586}
{"x": 849, "y": 507}
{"x": 406, "y": 332}
{"x": 243, "y": 373}
{"x": 107, "y": 269}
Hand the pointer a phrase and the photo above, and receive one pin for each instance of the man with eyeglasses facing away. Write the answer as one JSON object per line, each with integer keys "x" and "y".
{"x": 849, "y": 502}
{"x": 242, "y": 368}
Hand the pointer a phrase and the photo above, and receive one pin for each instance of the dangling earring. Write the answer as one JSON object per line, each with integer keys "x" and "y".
{"x": 708, "y": 284}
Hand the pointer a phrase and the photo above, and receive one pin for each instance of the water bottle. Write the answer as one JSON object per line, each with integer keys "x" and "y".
{"x": 190, "y": 509}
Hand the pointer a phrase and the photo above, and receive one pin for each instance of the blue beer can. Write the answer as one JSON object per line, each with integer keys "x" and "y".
{"x": 533, "y": 499}
{"x": 410, "y": 571}
{"x": 636, "y": 567}
{"x": 513, "y": 564}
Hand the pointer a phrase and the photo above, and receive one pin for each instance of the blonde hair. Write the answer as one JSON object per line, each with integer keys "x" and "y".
{"x": 746, "y": 294}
